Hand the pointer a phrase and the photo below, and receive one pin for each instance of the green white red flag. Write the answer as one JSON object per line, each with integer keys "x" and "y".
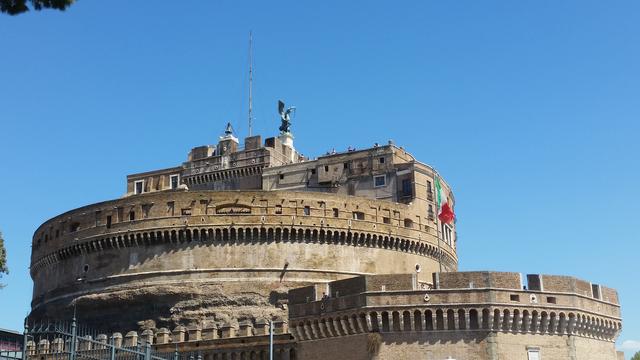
{"x": 445, "y": 212}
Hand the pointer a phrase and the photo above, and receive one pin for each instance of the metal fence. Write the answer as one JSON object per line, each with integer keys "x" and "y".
{"x": 69, "y": 341}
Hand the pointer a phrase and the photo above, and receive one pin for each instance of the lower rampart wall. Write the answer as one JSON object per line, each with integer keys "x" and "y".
{"x": 458, "y": 345}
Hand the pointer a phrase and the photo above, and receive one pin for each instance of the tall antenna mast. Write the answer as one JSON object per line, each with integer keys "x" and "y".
{"x": 250, "y": 82}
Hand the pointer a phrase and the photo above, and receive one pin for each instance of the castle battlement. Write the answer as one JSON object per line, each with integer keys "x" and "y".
{"x": 492, "y": 305}
{"x": 210, "y": 339}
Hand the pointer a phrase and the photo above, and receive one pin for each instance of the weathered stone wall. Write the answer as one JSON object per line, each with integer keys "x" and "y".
{"x": 182, "y": 254}
{"x": 479, "y": 279}
{"x": 470, "y": 345}
{"x": 350, "y": 347}
{"x": 453, "y": 345}
{"x": 464, "y": 322}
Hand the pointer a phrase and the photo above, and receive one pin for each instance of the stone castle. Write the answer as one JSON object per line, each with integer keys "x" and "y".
{"x": 344, "y": 253}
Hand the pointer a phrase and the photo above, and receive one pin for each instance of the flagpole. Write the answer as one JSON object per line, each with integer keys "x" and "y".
{"x": 250, "y": 83}
{"x": 437, "y": 181}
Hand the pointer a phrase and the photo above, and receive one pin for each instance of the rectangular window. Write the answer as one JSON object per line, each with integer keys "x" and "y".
{"x": 430, "y": 214}
{"x": 406, "y": 187}
{"x": 358, "y": 215}
{"x": 514, "y": 297}
{"x": 533, "y": 354}
{"x": 175, "y": 181}
{"x": 345, "y": 166}
{"x": 551, "y": 299}
{"x": 386, "y": 220}
{"x": 132, "y": 215}
{"x": 109, "y": 222}
{"x": 379, "y": 180}
{"x": 186, "y": 211}
{"x": 146, "y": 208}
{"x": 335, "y": 212}
{"x": 381, "y": 160}
{"x": 139, "y": 187}
{"x": 170, "y": 208}
{"x": 120, "y": 214}
{"x": 278, "y": 209}
{"x": 595, "y": 288}
{"x": 326, "y": 168}
{"x": 281, "y": 176}
{"x": 313, "y": 171}
{"x": 408, "y": 223}
{"x": 307, "y": 211}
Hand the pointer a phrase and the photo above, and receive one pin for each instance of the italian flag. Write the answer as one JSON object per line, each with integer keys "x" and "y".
{"x": 445, "y": 213}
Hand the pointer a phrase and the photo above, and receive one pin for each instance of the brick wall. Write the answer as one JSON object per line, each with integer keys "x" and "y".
{"x": 390, "y": 282}
{"x": 479, "y": 279}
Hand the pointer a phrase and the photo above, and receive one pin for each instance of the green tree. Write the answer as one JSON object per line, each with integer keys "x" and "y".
{"x": 636, "y": 356}
{"x": 15, "y": 7}
{"x": 3, "y": 259}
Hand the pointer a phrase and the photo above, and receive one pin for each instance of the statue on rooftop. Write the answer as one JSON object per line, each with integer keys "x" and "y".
{"x": 285, "y": 116}
{"x": 229, "y": 129}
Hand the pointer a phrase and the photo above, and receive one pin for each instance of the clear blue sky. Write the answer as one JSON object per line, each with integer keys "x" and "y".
{"x": 529, "y": 109}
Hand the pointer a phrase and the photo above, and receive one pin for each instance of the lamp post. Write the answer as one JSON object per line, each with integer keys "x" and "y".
{"x": 271, "y": 339}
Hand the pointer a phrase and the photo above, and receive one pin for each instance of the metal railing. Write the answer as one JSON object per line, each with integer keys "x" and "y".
{"x": 64, "y": 341}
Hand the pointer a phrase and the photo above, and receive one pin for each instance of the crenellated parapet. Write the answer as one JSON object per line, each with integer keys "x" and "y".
{"x": 210, "y": 340}
{"x": 462, "y": 302}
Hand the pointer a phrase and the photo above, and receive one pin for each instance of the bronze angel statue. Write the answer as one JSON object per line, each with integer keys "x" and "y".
{"x": 285, "y": 116}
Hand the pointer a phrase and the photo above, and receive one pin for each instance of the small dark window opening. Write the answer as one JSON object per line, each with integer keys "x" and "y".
{"x": 406, "y": 187}
{"x": 514, "y": 297}
{"x": 278, "y": 209}
{"x": 132, "y": 215}
{"x": 98, "y": 216}
{"x": 170, "y": 207}
{"x": 57, "y": 233}
{"x": 186, "y": 211}
{"x": 146, "y": 208}
{"x": 326, "y": 168}
{"x": 109, "y": 222}
{"x": 307, "y": 211}
{"x": 596, "y": 291}
{"x": 85, "y": 268}
{"x": 313, "y": 171}
{"x": 281, "y": 176}
{"x": 336, "y": 212}
{"x": 408, "y": 223}
{"x": 551, "y": 299}
{"x": 358, "y": 215}
{"x": 345, "y": 165}
{"x": 174, "y": 181}
{"x": 381, "y": 160}
{"x": 386, "y": 220}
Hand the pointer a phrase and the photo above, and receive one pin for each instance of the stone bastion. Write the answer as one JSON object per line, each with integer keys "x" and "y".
{"x": 176, "y": 257}
{"x": 464, "y": 315}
